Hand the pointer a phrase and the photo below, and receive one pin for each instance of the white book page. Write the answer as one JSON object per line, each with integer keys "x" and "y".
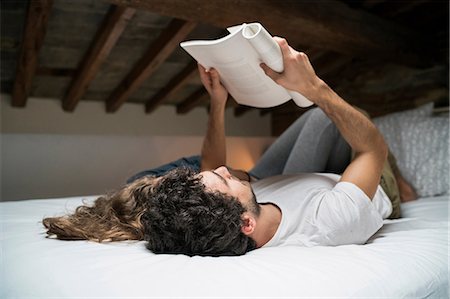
{"x": 238, "y": 65}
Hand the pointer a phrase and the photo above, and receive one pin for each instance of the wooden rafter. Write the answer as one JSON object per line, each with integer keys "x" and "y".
{"x": 265, "y": 111}
{"x": 192, "y": 101}
{"x": 372, "y": 3}
{"x": 109, "y": 32}
{"x": 33, "y": 38}
{"x": 241, "y": 110}
{"x": 379, "y": 105}
{"x": 55, "y": 72}
{"x": 329, "y": 64}
{"x": 172, "y": 87}
{"x": 156, "y": 54}
{"x": 330, "y": 24}
{"x": 404, "y": 7}
{"x": 378, "y": 93}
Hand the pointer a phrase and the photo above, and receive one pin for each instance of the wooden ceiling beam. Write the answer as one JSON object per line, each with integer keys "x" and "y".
{"x": 329, "y": 64}
{"x": 391, "y": 87}
{"x": 192, "y": 101}
{"x": 387, "y": 79}
{"x": 372, "y": 3}
{"x": 55, "y": 72}
{"x": 35, "y": 28}
{"x": 241, "y": 110}
{"x": 330, "y": 25}
{"x": 404, "y": 7}
{"x": 156, "y": 54}
{"x": 265, "y": 111}
{"x": 172, "y": 87}
{"x": 379, "y": 105}
{"x": 107, "y": 36}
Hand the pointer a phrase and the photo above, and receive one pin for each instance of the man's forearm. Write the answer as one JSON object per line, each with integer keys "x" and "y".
{"x": 214, "y": 146}
{"x": 360, "y": 133}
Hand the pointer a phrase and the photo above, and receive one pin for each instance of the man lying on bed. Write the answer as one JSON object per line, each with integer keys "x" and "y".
{"x": 296, "y": 196}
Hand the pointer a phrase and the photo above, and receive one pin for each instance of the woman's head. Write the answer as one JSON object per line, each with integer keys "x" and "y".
{"x": 114, "y": 217}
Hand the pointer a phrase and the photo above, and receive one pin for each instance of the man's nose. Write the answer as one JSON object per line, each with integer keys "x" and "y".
{"x": 222, "y": 170}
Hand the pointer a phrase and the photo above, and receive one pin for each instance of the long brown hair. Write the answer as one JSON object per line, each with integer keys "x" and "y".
{"x": 113, "y": 217}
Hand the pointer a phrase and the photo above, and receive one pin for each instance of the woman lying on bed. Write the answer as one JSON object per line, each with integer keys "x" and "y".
{"x": 295, "y": 197}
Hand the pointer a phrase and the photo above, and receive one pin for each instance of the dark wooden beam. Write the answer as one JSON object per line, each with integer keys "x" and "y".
{"x": 55, "y": 72}
{"x": 156, "y": 54}
{"x": 388, "y": 79}
{"x": 379, "y": 105}
{"x": 330, "y": 24}
{"x": 33, "y": 38}
{"x": 372, "y": 3}
{"x": 404, "y": 7}
{"x": 241, "y": 110}
{"x": 265, "y": 111}
{"x": 329, "y": 64}
{"x": 192, "y": 101}
{"x": 172, "y": 87}
{"x": 107, "y": 35}
{"x": 381, "y": 89}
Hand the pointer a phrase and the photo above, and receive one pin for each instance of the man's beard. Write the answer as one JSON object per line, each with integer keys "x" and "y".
{"x": 253, "y": 206}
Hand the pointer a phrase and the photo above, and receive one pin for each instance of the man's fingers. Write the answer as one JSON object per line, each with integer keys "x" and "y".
{"x": 284, "y": 46}
{"x": 214, "y": 74}
{"x": 215, "y": 78}
{"x": 201, "y": 71}
{"x": 201, "y": 68}
{"x": 204, "y": 73}
{"x": 269, "y": 72}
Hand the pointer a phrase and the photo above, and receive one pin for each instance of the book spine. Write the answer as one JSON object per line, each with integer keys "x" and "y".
{"x": 263, "y": 43}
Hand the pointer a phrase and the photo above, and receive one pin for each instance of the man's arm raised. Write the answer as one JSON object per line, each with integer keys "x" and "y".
{"x": 360, "y": 133}
{"x": 214, "y": 147}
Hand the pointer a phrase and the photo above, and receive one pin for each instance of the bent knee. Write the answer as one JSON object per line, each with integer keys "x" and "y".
{"x": 318, "y": 117}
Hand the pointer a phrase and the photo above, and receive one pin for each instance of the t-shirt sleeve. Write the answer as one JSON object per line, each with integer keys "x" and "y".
{"x": 344, "y": 215}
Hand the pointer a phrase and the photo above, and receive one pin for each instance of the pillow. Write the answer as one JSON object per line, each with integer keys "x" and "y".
{"x": 424, "y": 110}
{"x": 419, "y": 141}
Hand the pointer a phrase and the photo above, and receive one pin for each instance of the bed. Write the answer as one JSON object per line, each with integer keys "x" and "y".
{"x": 406, "y": 258}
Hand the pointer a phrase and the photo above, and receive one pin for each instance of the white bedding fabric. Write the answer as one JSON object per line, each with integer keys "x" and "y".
{"x": 407, "y": 258}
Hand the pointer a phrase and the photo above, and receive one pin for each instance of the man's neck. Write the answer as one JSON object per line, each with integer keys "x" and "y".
{"x": 267, "y": 224}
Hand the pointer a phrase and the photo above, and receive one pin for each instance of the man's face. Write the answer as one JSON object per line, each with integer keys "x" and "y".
{"x": 220, "y": 179}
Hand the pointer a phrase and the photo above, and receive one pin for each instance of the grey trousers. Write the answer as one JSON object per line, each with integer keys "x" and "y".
{"x": 311, "y": 144}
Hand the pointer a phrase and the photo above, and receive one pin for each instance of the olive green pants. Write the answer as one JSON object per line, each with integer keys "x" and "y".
{"x": 389, "y": 185}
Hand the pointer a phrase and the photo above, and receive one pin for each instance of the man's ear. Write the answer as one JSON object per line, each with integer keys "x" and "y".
{"x": 249, "y": 224}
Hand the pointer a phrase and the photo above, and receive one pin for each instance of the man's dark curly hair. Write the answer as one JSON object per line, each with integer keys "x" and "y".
{"x": 181, "y": 216}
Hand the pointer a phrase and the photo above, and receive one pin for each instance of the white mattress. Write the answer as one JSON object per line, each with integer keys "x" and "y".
{"x": 406, "y": 258}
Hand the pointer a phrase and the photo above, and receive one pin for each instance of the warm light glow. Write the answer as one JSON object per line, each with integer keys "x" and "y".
{"x": 244, "y": 153}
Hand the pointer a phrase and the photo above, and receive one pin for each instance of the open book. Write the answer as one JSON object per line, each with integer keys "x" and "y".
{"x": 237, "y": 57}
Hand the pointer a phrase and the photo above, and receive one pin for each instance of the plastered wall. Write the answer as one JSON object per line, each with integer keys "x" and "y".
{"x": 46, "y": 152}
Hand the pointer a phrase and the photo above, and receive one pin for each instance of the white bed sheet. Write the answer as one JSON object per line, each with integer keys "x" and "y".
{"x": 407, "y": 258}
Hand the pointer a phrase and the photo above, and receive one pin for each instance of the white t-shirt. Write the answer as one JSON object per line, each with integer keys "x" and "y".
{"x": 317, "y": 209}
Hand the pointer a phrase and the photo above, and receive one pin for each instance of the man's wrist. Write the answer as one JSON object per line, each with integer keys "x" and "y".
{"x": 218, "y": 100}
{"x": 217, "y": 109}
{"x": 319, "y": 92}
